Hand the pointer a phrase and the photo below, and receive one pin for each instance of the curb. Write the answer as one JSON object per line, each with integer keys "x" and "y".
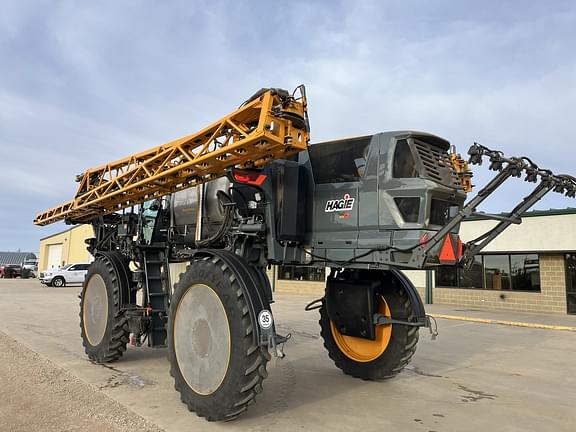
{"x": 506, "y": 323}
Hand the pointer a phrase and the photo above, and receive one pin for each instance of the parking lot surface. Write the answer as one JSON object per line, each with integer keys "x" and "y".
{"x": 474, "y": 377}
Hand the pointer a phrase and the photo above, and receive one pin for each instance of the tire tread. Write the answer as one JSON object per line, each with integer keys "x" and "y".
{"x": 120, "y": 334}
{"x": 254, "y": 361}
{"x": 373, "y": 370}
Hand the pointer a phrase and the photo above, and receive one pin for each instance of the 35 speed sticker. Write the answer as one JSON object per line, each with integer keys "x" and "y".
{"x": 265, "y": 319}
{"x": 336, "y": 205}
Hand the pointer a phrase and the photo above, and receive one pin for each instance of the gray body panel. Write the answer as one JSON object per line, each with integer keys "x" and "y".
{"x": 357, "y": 199}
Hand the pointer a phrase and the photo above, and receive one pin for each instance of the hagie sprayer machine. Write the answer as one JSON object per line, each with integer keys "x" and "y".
{"x": 250, "y": 191}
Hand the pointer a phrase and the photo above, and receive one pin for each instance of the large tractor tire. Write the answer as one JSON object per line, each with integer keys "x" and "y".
{"x": 217, "y": 366}
{"x": 104, "y": 326}
{"x": 388, "y": 354}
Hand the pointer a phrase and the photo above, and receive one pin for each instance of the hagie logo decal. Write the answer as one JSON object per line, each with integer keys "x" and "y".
{"x": 344, "y": 204}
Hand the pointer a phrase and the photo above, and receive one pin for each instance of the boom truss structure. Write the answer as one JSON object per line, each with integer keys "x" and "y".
{"x": 272, "y": 124}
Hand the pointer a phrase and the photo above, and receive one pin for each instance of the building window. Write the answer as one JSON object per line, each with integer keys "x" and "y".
{"x": 497, "y": 272}
{"x": 511, "y": 272}
{"x": 525, "y": 272}
{"x": 454, "y": 277}
{"x": 447, "y": 276}
{"x": 301, "y": 273}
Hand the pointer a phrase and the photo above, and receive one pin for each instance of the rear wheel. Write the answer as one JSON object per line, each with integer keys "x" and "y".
{"x": 383, "y": 357}
{"x": 104, "y": 327}
{"x": 216, "y": 364}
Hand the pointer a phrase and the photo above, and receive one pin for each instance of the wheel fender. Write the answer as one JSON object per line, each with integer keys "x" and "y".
{"x": 413, "y": 295}
{"x": 253, "y": 282}
{"x": 124, "y": 274}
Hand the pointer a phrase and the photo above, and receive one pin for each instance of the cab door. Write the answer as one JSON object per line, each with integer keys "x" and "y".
{"x": 336, "y": 215}
{"x": 338, "y": 168}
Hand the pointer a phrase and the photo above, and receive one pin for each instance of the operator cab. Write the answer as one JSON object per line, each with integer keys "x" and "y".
{"x": 381, "y": 190}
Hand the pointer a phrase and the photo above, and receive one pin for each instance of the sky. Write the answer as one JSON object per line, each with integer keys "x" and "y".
{"x": 84, "y": 83}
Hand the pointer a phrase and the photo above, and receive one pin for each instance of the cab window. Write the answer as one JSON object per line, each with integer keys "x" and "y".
{"x": 404, "y": 164}
{"x": 149, "y": 213}
{"x": 339, "y": 162}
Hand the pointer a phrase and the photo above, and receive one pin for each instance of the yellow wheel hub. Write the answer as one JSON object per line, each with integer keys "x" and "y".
{"x": 365, "y": 350}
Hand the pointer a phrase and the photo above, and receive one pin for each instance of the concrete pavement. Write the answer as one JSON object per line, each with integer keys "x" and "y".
{"x": 551, "y": 321}
{"x": 474, "y": 377}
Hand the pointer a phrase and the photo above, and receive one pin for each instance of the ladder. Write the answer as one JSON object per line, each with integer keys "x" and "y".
{"x": 272, "y": 124}
{"x": 157, "y": 286}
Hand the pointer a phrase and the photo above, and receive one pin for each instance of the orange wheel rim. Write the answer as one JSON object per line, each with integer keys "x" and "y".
{"x": 365, "y": 350}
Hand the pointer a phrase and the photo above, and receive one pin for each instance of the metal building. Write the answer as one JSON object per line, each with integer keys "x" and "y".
{"x": 15, "y": 258}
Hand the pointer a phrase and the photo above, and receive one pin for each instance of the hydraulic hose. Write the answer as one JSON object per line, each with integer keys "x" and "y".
{"x": 228, "y": 205}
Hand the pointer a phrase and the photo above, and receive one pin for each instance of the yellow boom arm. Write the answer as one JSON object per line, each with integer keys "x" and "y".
{"x": 272, "y": 124}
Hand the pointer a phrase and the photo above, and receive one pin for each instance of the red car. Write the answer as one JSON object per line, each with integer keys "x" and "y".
{"x": 10, "y": 270}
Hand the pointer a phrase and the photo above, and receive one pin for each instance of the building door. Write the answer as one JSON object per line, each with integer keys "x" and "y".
{"x": 54, "y": 256}
{"x": 571, "y": 283}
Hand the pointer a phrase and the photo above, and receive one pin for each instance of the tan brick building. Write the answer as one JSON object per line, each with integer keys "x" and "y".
{"x": 530, "y": 267}
{"x": 66, "y": 247}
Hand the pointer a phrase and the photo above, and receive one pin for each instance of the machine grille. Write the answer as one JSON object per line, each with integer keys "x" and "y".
{"x": 435, "y": 164}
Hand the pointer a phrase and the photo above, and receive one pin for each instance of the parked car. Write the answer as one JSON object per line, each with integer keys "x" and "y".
{"x": 10, "y": 271}
{"x": 69, "y": 274}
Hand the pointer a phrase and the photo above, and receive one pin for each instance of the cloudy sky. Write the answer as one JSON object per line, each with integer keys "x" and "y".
{"x": 83, "y": 83}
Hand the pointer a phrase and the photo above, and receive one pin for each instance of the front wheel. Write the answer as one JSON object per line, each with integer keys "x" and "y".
{"x": 383, "y": 357}
{"x": 104, "y": 326}
{"x": 58, "y": 282}
{"x": 216, "y": 364}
